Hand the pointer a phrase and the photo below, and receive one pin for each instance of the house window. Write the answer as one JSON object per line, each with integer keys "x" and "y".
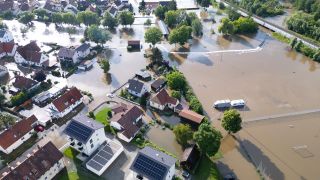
{"x": 22, "y": 138}
{"x": 91, "y": 146}
{"x": 91, "y": 141}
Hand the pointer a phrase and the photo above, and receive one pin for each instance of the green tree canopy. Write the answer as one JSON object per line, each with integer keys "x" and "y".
{"x": 105, "y": 65}
{"x": 153, "y": 35}
{"x": 180, "y": 35}
{"x": 160, "y": 12}
{"x": 126, "y": 18}
{"x": 57, "y": 18}
{"x": 245, "y": 26}
{"x": 97, "y": 35}
{"x": 69, "y": 18}
{"x": 176, "y": 94}
{"x": 183, "y": 134}
{"x": 233, "y": 14}
{"x": 231, "y": 121}
{"x": 196, "y": 27}
{"x": 171, "y": 18}
{"x": 26, "y": 17}
{"x": 88, "y": 18}
{"x": 176, "y": 81}
{"x": 109, "y": 21}
{"x": 40, "y": 13}
{"x": 208, "y": 139}
{"x": 156, "y": 55}
{"x": 226, "y": 27}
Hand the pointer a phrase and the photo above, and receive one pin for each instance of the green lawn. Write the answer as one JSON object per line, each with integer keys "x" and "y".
{"x": 102, "y": 115}
{"x": 70, "y": 153}
{"x": 207, "y": 170}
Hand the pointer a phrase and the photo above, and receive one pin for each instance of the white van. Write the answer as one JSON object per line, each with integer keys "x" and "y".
{"x": 238, "y": 103}
{"x": 222, "y": 104}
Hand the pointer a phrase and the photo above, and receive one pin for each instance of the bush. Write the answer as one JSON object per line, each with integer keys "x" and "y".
{"x": 196, "y": 106}
{"x": 176, "y": 80}
{"x": 176, "y": 94}
{"x": 56, "y": 73}
{"x": 222, "y": 6}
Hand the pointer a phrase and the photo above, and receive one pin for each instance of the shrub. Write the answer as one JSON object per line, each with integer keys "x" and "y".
{"x": 176, "y": 94}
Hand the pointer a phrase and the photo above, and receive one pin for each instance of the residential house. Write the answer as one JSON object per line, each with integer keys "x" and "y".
{"x": 113, "y": 11}
{"x": 137, "y": 88}
{"x": 5, "y": 35}
{"x": 22, "y": 83}
{"x": 53, "y": 92}
{"x": 74, "y": 55}
{"x": 162, "y": 100}
{"x": 103, "y": 4}
{"x": 191, "y": 117}
{"x": 190, "y": 158}
{"x": 43, "y": 164}
{"x": 85, "y": 135}
{"x": 70, "y": 8}
{"x": 133, "y": 45}
{"x": 17, "y": 134}
{"x": 53, "y": 6}
{"x": 153, "y": 164}
{"x": 66, "y": 103}
{"x": 7, "y": 49}
{"x": 119, "y": 5}
{"x": 31, "y": 54}
{"x": 127, "y": 119}
{"x": 158, "y": 84}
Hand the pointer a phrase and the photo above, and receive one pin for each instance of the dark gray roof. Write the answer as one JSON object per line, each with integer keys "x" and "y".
{"x": 113, "y": 10}
{"x": 152, "y": 164}
{"x": 83, "y": 47}
{"x": 66, "y": 52}
{"x": 81, "y": 128}
{"x": 2, "y": 32}
{"x": 135, "y": 85}
{"x": 158, "y": 83}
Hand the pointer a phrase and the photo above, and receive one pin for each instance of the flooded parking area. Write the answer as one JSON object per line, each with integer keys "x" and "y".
{"x": 285, "y": 148}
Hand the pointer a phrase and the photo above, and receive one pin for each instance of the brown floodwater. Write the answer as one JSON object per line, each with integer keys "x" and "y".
{"x": 287, "y": 147}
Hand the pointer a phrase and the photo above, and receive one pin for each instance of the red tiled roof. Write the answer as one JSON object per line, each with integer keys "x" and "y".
{"x": 36, "y": 165}
{"x": 6, "y": 47}
{"x": 191, "y": 115}
{"x": 163, "y": 98}
{"x": 68, "y": 98}
{"x": 17, "y": 131}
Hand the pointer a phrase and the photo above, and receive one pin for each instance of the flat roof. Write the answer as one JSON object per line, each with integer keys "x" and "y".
{"x": 163, "y": 27}
{"x": 108, "y": 152}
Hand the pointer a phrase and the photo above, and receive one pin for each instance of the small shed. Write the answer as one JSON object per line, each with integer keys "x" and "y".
{"x": 133, "y": 45}
{"x": 143, "y": 75}
{"x": 164, "y": 29}
{"x": 85, "y": 65}
{"x": 190, "y": 158}
{"x": 158, "y": 84}
{"x": 191, "y": 117}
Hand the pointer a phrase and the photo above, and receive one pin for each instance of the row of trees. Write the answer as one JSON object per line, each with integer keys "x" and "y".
{"x": 207, "y": 138}
{"x": 240, "y": 26}
{"x": 84, "y": 17}
{"x": 306, "y": 50}
{"x": 263, "y": 8}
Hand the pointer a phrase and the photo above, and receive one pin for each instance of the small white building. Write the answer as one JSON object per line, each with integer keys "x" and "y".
{"x": 5, "y": 36}
{"x": 137, "y": 88}
{"x": 42, "y": 164}
{"x": 85, "y": 135}
{"x": 16, "y": 135}
{"x": 162, "y": 100}
{"x": 152, "y": 164}
{"x": 66, "y": 103}
{"x": 31, "y": 55}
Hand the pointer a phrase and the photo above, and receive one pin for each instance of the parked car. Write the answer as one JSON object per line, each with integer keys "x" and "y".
{"x": 222, "y": 104}
{"x": 39, "y": 128}
{"x": 110, "y": 95}
{"x": 185, "y": 174}
{"x": 238, "y": 103}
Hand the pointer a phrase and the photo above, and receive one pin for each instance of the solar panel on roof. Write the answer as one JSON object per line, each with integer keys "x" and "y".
{"x": 100, "y": 160}
{"x": 78, "y": 131}
{"x": 150, "y": 168}
{"x": 105, "y": 154}
{"x": 95, "y": 165}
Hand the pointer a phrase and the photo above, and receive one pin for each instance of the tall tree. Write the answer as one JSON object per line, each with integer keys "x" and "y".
{"x": 126, "y": 18}
{"x": 69, "y": 18}
{"x": 142, "y": 6}
{"x": 180, "y": 35}
{"x": 208, "y": 139}
{"x": 40, "y": 13}
{"x": 88, "y": 18}
{"x": 97, "y": 35}
{"x": 196, "y": 27}
{"x": 109, "y": 21}
{"x": 172, "y": 5}
{"x": 153, "y": 35}
{"x": 160, "y": 12}
{"x": 231, "y": 121}
{"x": 105, "y": 65}
{"x": 156, "y": 55}
{"x": 171, "y": 18}
{"x": 183, "y": 134}
{"x": 226, "y": 27}
{"x": 26, "y": 17}
{"x": 176, "y": 81}
{"x": 57, "y": 18}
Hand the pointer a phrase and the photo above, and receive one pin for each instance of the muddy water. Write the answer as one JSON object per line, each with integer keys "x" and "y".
{"x": 281, "y": 19}
{"x": 274, "y": 80}
{"x": 165, "y": 139}
{"x": 287, "y": 148}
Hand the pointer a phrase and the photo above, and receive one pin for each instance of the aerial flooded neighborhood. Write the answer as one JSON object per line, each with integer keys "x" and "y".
{"x": 159, "y": 89}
